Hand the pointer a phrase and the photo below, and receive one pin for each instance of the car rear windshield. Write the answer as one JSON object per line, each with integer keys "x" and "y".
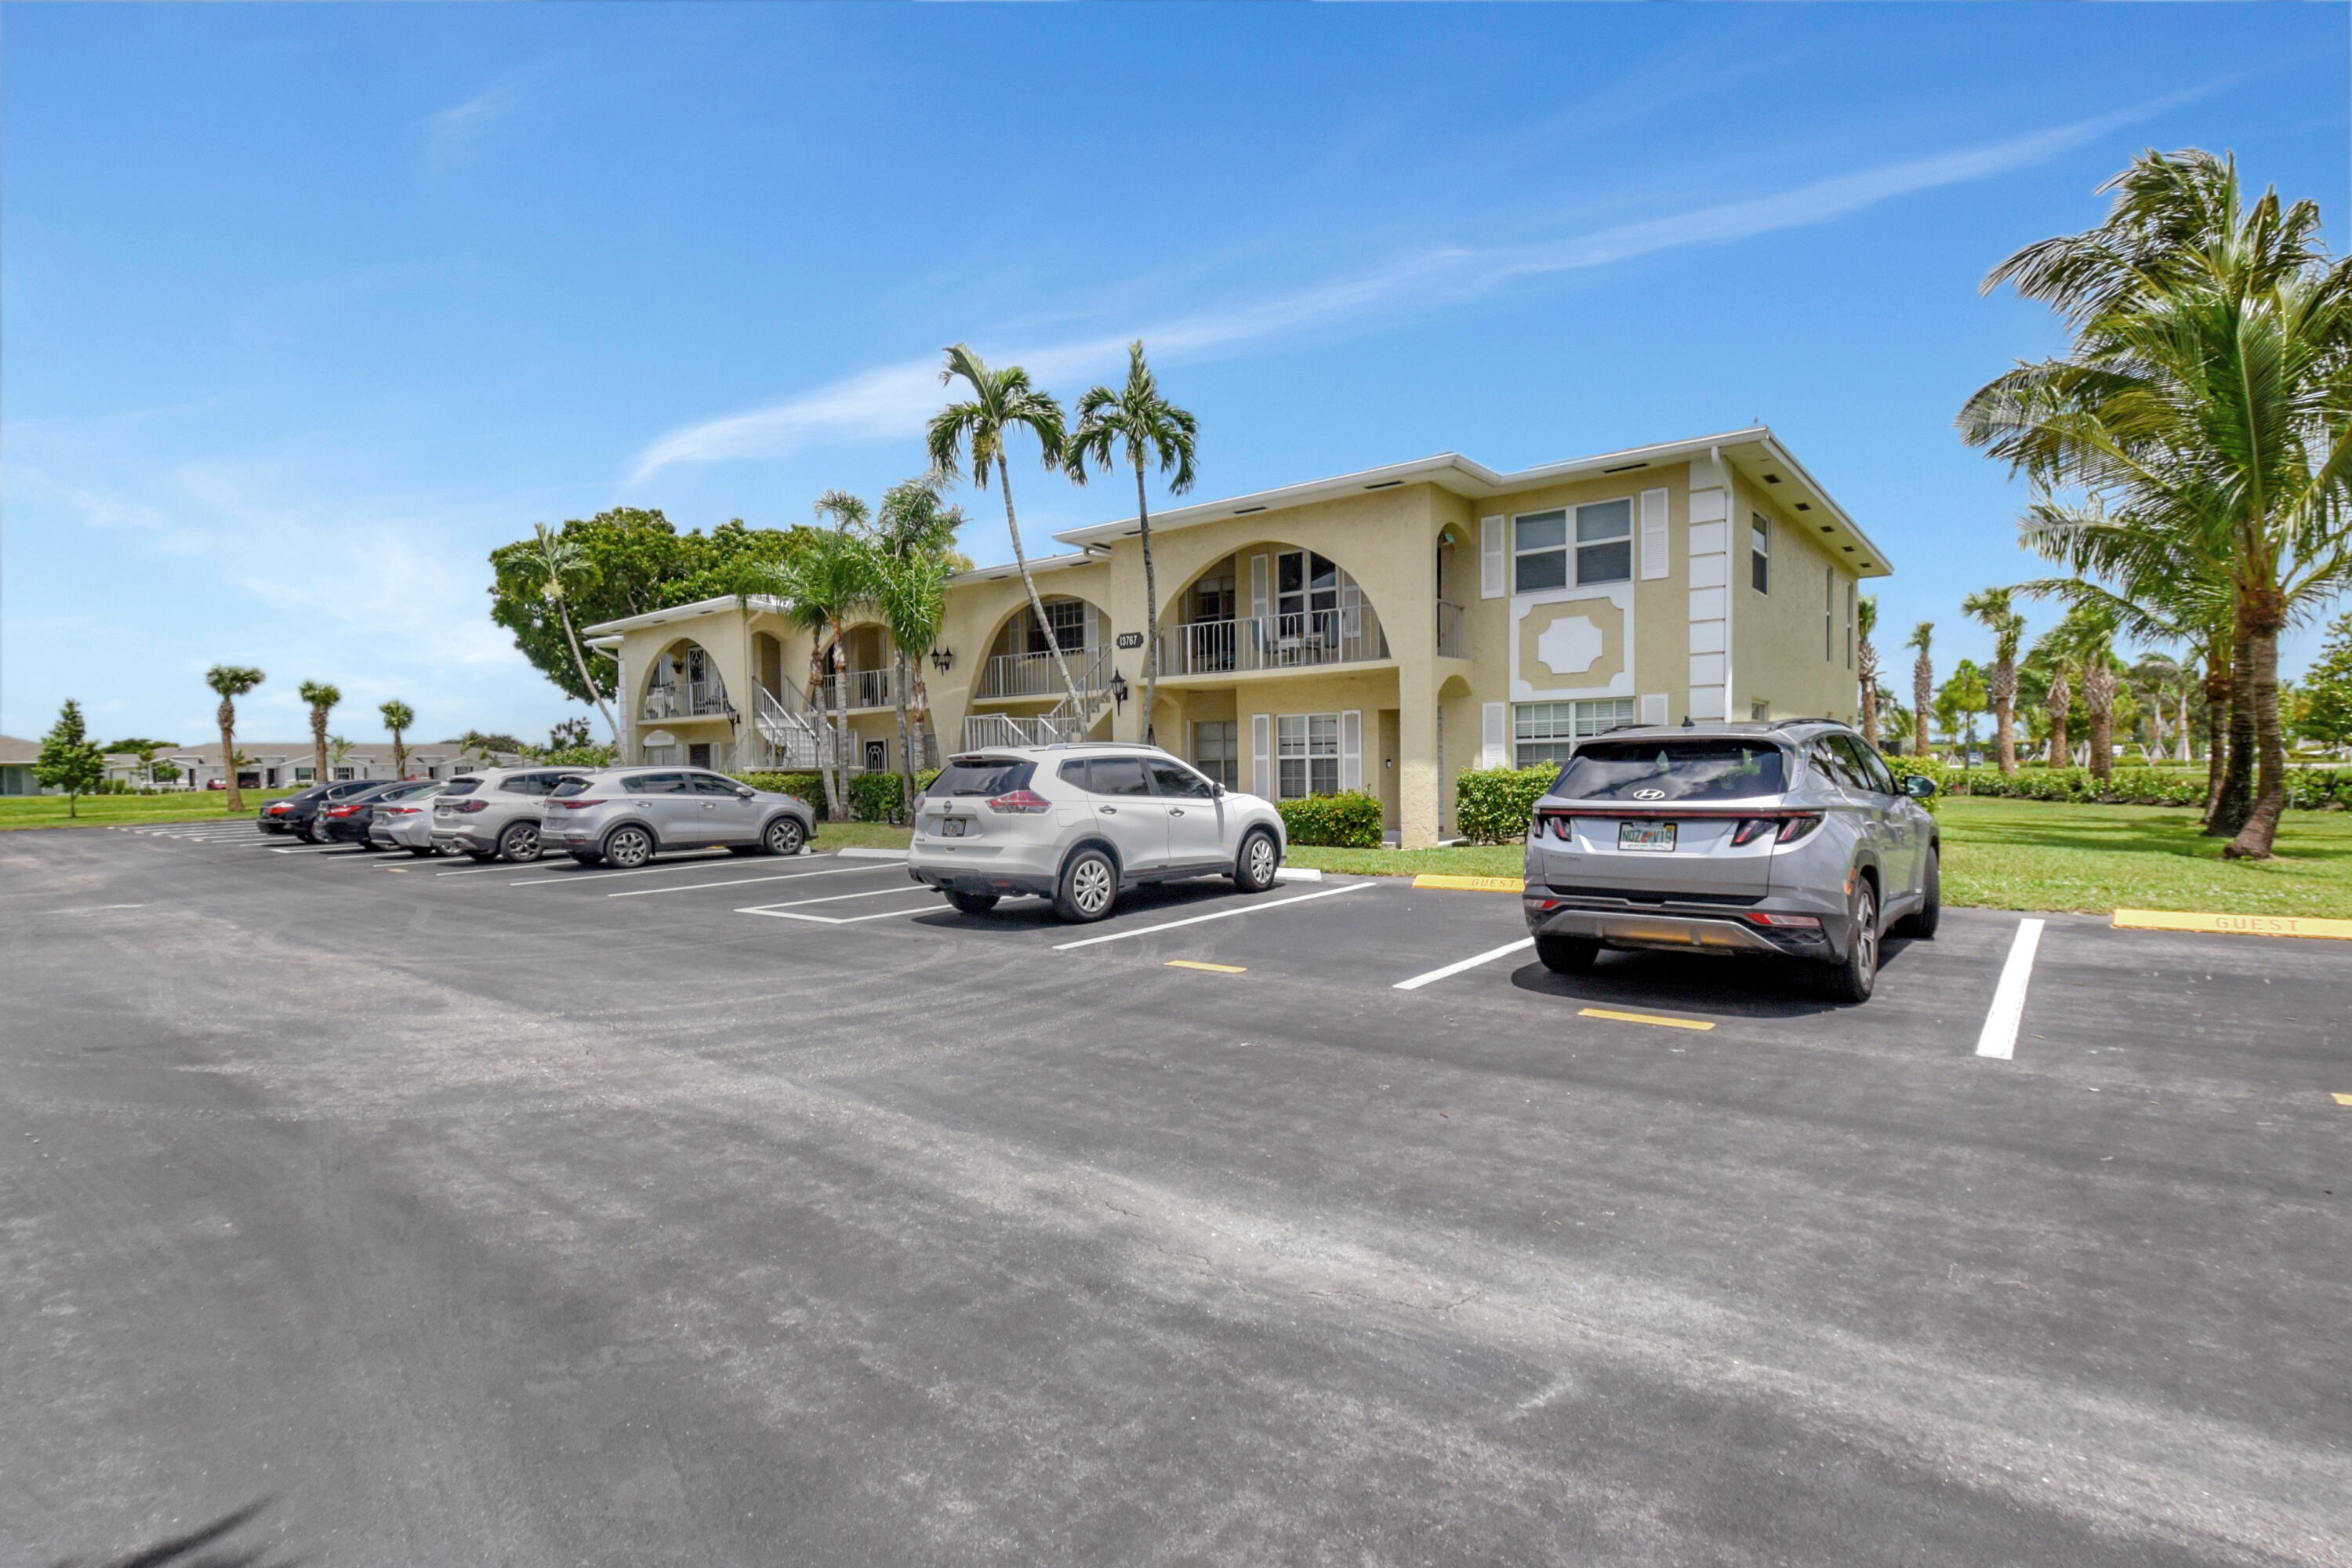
{"x": 461, "y": 786}
{"x": 983, "y": 775}
{"x": 570, "y": 787}
{"x": 1710, "y": 769}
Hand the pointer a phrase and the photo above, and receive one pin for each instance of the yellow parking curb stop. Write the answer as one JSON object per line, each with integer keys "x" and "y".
{"x": 1212, "y": 968}
{"x": 1472, "y": 884}
{"x": 1644, "y": 1018}
{"x": 2232, "y": 925}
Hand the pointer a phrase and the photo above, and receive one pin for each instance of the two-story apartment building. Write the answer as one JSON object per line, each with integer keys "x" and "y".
{"x": 1382, "y": 630}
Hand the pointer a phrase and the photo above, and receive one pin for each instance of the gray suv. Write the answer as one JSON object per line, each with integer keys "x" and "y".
{"x": 623, "y": 816}
{"x": 496, "y": 813}
{"x": 1792, "y": 839}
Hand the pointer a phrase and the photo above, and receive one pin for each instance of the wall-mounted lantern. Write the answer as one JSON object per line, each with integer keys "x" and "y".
{"x": 942, "y": 659}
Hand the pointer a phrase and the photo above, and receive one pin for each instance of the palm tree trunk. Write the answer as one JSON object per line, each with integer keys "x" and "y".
{"x": 1150, "y": 605}
{"x": 595, "y": 695}
{"x": 399, "y": 756}
{"x": 2236, "y": 806}
{"x": 837, "y": 681}
{"x": 906, "y": 746}
{"x": 318, "y": 745}
{"x": 918, "y": 709}
{"x": 2004, "y": 716}
{"x": 2266, "y": 615}
{"x": 2216, "y": 724}
{"x": 1868, "y": 660}
{"x": 1037, "y": 605}
{"x": 227, "y": 717}
{"x": 2058, "y": 707}
{"x": 2099, "y": 696}
{"x": 1922, "y": 697}
{"x": 826, "y": 749}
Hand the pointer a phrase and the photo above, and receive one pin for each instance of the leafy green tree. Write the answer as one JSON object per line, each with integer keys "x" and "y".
{"x": 231, "y": 681}
{"x": 1992, "y": 609}
{"x": 321, "y": 699}
{"x": 912, "y": 593}
{"x": 1146, "y": 428}
{"x": 559, "y": 559}
{"x": 69, "y": 760}
{"x": 398, "y": 718}
{"x": 1962, "y": 698}
{"x": 916, "y": 525}
{"x": 2327, "y": 715}
{"x": 630, "y": 561}
{"x": 1923, "y": 684}
{"x": 1001, "y": 402}
{"x": 2206, "y": 395}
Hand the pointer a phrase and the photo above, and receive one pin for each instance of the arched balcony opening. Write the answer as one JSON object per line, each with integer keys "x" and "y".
{"x": 684, "y": 683}
{"x": 1270, "y": 607}
{"x": 1020, "y": 662}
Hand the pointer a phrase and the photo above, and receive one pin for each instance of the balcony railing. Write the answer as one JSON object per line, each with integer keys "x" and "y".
{"x": 1272, "y": 642}
{"x": 1453, "y": 631}
{"x": 687, "y": 700}
{"x": 1034, "y": 674}
{"x": 865, "y": 688}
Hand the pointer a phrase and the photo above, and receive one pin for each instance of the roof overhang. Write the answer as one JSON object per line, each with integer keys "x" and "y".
{"x": 1755, "y": 452}
{"x": 1041, "y": 564}
{"x": 693, "y": 612}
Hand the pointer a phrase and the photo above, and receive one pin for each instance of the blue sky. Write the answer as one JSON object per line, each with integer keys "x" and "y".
{"x": 303, "y": 310}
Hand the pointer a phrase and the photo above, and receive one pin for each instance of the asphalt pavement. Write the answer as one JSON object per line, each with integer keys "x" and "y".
{"x": 742, "y": 1210}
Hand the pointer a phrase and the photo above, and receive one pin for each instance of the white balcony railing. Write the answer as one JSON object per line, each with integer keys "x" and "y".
{"x": 1271, "y": 642}
{"x": 1034, "y": 674}
{"x": 865, "y": 688}
{"x": 687, "y": 700}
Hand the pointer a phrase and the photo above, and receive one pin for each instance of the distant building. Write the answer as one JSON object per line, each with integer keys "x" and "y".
{"x": 17, "y": 760}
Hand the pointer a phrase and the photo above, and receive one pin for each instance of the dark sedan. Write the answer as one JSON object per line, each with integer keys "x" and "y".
{"x": 347, "y": 820}
{"x": 299, "y": 814}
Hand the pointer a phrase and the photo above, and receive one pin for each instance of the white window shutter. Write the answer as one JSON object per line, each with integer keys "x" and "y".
{"x": 1094, "y": 626}
{"x": 1351, "y": 749}
{"x": 1654, "y": 536}
{"x": 1490, "y": 558}
{"x": 1262, "y": 752}
{"x": 1654, "y": 708}
{"x": 1494, "y": 721}
{"x": 1259, "y": 605}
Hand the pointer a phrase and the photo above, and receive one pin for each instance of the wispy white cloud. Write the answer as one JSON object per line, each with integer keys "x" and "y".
{"x": 892, "y": 401}
{"x": 453, "y": 132}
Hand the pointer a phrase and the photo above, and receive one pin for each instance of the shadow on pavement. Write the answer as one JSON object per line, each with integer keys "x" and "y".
{"x": 203, "y": 1548}
{"x": 1708, "y": 986}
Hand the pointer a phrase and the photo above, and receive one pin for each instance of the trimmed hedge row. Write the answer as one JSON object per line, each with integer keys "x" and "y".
{"x": 1494, "y": 805}
{"x": 873, "y": 797}
{"x": 1350, "y": 820}
{"x": 2308, "y": 789}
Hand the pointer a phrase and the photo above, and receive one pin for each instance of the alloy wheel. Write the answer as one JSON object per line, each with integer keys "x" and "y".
{"x": 521, "y": 843}
{"x": 629, "y": 848}
{"x": 784, "y": 836}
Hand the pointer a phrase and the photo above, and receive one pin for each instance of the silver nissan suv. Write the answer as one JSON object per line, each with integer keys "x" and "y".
{"x": 1080, "y": 822}
{"x": 1792, "y": 839}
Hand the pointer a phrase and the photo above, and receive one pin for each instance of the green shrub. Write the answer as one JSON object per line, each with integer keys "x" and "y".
{"x": 1493, "y": 805}
{"x": 1350, "y": 820}
{"x": 810, "y": 787}
{"x": 877, "y": 797}
{"x": 2308, "y": 789}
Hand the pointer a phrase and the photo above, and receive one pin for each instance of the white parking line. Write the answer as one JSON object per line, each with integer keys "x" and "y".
{"x": 686, "y": 862}
{"x": 844, "y": 920}
{"x": 321, "y": 849}
{"x": 1418, "y": 981}
{"x": 1218, "y": 915}
{"x": 833, "y": 899}
{"x": 741, "y": 881}
{"x": 1999, "y": 1036}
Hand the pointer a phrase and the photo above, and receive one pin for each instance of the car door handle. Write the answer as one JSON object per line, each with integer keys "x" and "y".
{"x": 1107, "y": 810}
{"x": 1175, "y": 811}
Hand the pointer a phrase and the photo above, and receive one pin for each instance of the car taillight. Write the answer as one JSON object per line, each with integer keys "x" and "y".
{"x": 578, "y": 804}
{"x": 472, "y": 805}
{"x": 1802, "y": 922}
{"x": 1752, "y": 828}
{"x": 1020, "y": 803}
{"x": 1796, "y": 827}
{"x": 344, "y": 811}
{"x": 398, "y": 810}
{"x": 280, "y": 809}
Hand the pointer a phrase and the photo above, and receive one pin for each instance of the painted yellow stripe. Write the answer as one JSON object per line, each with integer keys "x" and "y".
{"x": 1473, "y": 884}
{"x": 1644, "y": 1018}
{"x": 2233, "y": 925}
{"x": 2344, "y": 1099}
{"x": 1212, "y": 968}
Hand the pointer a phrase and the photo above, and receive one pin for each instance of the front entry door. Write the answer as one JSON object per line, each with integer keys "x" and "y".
{"x": 877, "y": 756}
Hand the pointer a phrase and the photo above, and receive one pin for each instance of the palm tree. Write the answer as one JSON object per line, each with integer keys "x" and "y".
{"x": 1923, "y": 684}
{"x": 911, "y": 593}
{"x": 398, "y": 716}
{"x": 916, "y": 524}
{"x": 2052, "y": 653}
{"x": 1148, "y": 428}
{"x": 322, "y": 699}
{"x": 1867, "y": 666}
{"x": 232, "y": 681}
{"x": 559, "y": 558}
{"x": 1001, "y": 402}
{"x": 822, "y": 584}
{"x": 2205, "y": 392}
{"x": 1991, "y": 606}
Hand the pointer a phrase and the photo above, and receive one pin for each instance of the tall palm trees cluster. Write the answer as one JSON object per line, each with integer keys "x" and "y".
{"x": 2190, "y": 455}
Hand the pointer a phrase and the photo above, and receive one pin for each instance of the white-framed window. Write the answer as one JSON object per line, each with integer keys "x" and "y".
{"x": 304, "y": 776}
{"x": 1548, "y": 731}
{"x": 1067, "y": 620}
{"x": 1544, "y": 556}
{"x": 343, "y": 773}
{"x": 1306, "y": 755}
{"x": 1760, "y": 553}
{"x": 1217, "y": 750}
{"x": 656, "y": 755}
{"x": 1759, "y": 711}
{"x": 1829, "y": 613}
{"x": 1850, "y": 589}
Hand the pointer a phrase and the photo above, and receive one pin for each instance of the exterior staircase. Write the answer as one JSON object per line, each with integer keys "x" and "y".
{"x": 788, "y": 727}
{"x": 1064, "y": 721}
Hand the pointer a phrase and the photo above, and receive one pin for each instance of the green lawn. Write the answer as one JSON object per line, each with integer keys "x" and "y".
{"x": 2037, "y": 855}
{"x": 192, "y": 805}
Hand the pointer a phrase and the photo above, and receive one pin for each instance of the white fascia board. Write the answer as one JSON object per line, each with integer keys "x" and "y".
{"x": 695, "y": 611}
{"x": 1450, "y": 470}
{"x": 1012, "y": 568}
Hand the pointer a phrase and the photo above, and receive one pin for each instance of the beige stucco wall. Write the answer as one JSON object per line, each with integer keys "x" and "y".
{"x": 1776, "y": 643}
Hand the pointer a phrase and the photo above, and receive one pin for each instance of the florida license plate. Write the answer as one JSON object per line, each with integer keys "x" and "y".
{"x": 952, "y": 826}
{"x": 1655, "y": 836}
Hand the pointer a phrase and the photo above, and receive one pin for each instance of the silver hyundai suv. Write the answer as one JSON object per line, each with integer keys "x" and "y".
{"x": 496, "y": 813}
{"x": 625, "y": 815}
{"x": 1792, "y": 839}
{"x": 1080, "y": 822}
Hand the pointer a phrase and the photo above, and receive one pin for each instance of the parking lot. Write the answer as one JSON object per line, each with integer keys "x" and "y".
{"x": 749, "y": 1210}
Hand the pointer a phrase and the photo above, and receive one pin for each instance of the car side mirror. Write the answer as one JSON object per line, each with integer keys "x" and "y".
{"x": 1917, "y": 786}
{"x": 1216, "y": 791}
{"x": 746, "y": 793}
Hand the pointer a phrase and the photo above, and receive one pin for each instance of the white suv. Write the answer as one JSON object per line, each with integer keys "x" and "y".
{"x": 1080, "y": 822}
